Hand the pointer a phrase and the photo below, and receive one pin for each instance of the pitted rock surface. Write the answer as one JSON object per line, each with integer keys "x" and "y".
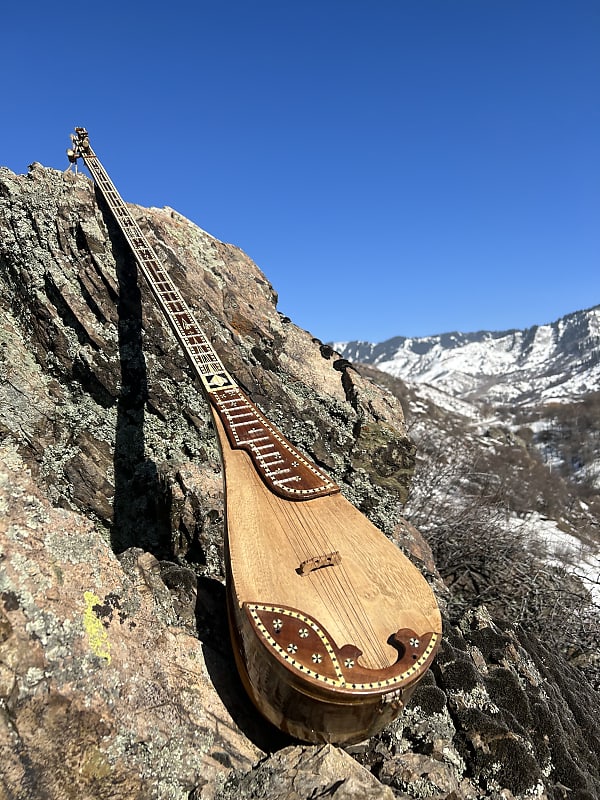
{"x": 103, "y": 693}
{"x": 116, "y": 674}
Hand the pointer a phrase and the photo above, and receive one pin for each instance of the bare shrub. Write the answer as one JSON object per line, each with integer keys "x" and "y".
{"x": 471, "y": 489}
{"x": 469, "y": 513}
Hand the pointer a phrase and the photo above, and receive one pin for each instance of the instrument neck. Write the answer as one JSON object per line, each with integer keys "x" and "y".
{"x": 195, "y": 343}
{"x": 281, "y": 466}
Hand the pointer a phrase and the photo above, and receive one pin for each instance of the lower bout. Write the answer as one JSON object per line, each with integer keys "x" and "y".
{"x": 304, "y": 711}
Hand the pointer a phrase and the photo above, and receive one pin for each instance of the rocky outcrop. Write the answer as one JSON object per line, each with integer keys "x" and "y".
{"x": 302, "y": 772}
{"x": 116, "y": 675}
{"x": 103, "y": 693}
{"x": 99, "y": 395}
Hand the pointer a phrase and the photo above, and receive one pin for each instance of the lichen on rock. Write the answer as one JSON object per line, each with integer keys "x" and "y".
{"x": 117, "y": 679}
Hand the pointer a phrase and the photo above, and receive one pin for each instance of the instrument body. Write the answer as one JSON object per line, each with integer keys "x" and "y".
{"x": 332, "y": 625}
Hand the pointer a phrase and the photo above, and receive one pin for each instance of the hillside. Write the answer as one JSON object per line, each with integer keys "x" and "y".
{"x": 117, "y": 679}
{"x": 556, "y": 362}
{"x": 486, "y": 500}
{"x": 542, "y": 383}
{"x": 507, "y": 428}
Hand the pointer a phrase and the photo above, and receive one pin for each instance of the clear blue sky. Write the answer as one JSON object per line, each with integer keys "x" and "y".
{"x": 395, "y": 167}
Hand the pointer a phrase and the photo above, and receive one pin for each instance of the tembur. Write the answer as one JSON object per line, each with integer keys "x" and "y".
{"x": 332, "y": 625}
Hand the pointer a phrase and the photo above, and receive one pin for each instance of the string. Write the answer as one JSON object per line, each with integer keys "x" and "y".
{"x": 332, "y": 584}
{"x": 312, "y": 536}
{"x": 345, "y": 587}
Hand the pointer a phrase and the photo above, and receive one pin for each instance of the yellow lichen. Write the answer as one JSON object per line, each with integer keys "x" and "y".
{"x": 95, "y": 764}
{"x": 97, "y": 635}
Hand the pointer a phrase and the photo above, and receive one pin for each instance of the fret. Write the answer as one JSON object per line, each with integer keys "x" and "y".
{"x": 203, "y": 353}
{"x": 243, "y": 442}
{"x": 276, "y": 456}
{"x": 198, "y": 348}
{"x": 202, "y": 349}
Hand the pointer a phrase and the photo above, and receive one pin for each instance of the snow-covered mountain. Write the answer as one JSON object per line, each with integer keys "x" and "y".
{"x": 506, "y": 427}
{"x": 557, "y": 362}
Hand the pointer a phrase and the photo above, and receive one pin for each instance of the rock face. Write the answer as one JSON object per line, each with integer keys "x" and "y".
{"x": 116, "y": 676}
{"x": 100, "y": 396}
{"x": 301, "y": 772}
{"x": 104, "y": 693}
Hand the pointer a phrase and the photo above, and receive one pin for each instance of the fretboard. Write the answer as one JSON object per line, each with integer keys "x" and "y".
{"x": 282, "y": 467}
{"x": 190, "y": 335}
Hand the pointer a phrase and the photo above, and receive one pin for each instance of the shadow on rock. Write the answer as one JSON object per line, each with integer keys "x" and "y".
{"x": 213, "y": 631}
{"x": 140, "y": 513}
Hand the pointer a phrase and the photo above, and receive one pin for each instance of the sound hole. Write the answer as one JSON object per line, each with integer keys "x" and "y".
{"x": 398, "y": 645}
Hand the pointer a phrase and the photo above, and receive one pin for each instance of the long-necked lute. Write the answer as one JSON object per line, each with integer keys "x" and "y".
{"x": 332, "y": 625}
